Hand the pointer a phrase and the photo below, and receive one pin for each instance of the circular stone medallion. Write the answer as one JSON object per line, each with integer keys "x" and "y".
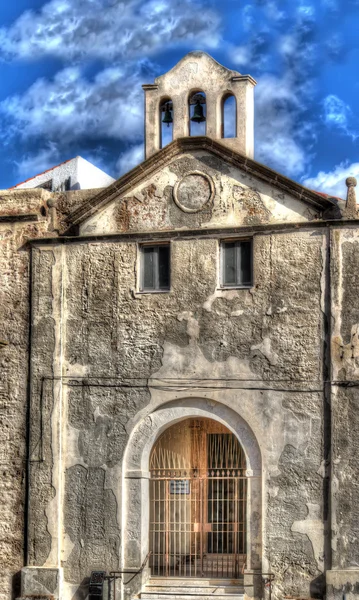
{"x": 193, "y": 192}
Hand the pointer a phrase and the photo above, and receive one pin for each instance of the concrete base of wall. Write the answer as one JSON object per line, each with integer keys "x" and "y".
{"x": 253, "y": 585}
{"x": 342, "y": 585}
{"x": 41, "y": 582}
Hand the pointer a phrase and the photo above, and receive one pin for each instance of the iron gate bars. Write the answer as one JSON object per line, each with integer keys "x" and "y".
{"x": 198, "y": 502}
{"x": 198, "y": 525}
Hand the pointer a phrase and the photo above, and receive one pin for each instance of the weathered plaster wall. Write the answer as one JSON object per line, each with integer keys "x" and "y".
{"x": 345, "y": 409}
{"x": 239, "y": 200}
{"x": 24, "y": 215}
{"x": 268, "y": 338}
{"x": 14, "y": 329}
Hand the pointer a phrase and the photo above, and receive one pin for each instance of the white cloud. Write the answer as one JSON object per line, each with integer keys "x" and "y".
{"x": 240, "y": 55}
{"x": 70, "y": 107}
{"x": 109, "y": 29}
{"x": 333, "y": 182}
{"x": 130, "y": 159}
{"x": 277, "y": 109}
{"x": 330, "y": 4}
{"x": 336, "y": 112}
{"x": 273, "y": 11}
{"x": 248, "y": 17}
{"x": 291, "y": 47}
{"x": 284, "y": 129}
{"x": 42, "y": 160}
{"x": 287, "y": 45}
{"x": 306, "y": 11}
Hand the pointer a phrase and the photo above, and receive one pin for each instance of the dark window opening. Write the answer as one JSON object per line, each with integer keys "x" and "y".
{"x": 237, "y": 263}
{"x": 47, "y": 185}
{"x": 155, "y": 268}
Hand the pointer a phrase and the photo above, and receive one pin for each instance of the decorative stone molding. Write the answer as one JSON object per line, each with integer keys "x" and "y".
{"x": 158, "y": 161}
{"x": 351, "y": 207}
{"x": 135, "y": 513}
{"x": 194, "y": 192}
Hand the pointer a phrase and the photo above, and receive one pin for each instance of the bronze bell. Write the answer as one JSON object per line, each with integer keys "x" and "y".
{"x": 198, "y": 116}
{"x": 167, "y": 118}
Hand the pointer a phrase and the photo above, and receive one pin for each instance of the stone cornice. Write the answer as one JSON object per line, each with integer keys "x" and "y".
{"x": 15, "y": 218}
{"x": 163, "y": 157}
{"x": 244, "y": 78}
{"x": 214, "y": 233}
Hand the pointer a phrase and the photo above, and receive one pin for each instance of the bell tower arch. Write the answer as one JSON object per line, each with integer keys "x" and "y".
{"x": 199, "y": 71}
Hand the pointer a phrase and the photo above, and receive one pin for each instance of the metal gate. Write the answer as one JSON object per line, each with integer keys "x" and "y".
{"x": 198, "y": 492}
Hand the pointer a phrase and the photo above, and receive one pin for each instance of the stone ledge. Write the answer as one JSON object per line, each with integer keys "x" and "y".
{"x": 36, "y": 597}
{"x": 346, "y": 575}
{"x": 40, "y": 583}
{"x": 342, "y": 583}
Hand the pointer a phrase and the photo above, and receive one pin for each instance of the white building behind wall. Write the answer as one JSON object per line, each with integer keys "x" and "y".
{"x": 74, "y": 174}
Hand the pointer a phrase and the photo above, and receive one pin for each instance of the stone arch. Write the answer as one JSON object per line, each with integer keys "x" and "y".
{"x": 228, "y": 116}
{"x": 135, "y": 507}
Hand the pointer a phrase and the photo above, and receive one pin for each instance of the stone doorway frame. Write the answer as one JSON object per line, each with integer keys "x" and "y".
{"x": 135, "y": 478}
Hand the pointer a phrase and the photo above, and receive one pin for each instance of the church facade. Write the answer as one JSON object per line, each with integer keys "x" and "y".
{"x": 180, "y": 355}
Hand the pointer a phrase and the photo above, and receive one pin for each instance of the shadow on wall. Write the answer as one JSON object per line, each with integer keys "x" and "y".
{"x": 83, "y": 590}
{"x": 317, "y": 587}
{"x": 16, "y": 585}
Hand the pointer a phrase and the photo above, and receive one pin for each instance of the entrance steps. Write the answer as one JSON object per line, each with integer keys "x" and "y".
{"x": 187, "y": 589}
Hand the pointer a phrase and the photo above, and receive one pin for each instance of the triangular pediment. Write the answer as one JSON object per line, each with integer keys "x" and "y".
{"x": 197, "y": 183}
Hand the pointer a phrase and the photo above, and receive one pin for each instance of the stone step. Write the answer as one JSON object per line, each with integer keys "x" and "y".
{"x": 193, "y": 589}
{"x": 185, "y": 588}
{"x": 169, "y": 582}
{"x": 187, "y": 596}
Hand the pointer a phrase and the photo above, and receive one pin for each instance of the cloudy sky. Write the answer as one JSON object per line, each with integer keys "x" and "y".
{"x": 71, "y": 74}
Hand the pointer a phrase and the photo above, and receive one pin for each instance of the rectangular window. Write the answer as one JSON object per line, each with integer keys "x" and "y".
{"x": 155, "y": 268}
{"x": 237, "y": 263}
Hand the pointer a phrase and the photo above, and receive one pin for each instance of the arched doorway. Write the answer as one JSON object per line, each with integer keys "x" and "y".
{"x": 198, "y": 501}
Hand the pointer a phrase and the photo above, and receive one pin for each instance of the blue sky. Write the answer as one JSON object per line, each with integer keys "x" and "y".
{"x": 71, "y": 74}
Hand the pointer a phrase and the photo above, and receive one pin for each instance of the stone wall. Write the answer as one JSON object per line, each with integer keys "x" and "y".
{"x": 106, "y": 357}
{"x": 345, "y": 405}
{"x": 257, "y": 351}
{"x": 24, "y": 215}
